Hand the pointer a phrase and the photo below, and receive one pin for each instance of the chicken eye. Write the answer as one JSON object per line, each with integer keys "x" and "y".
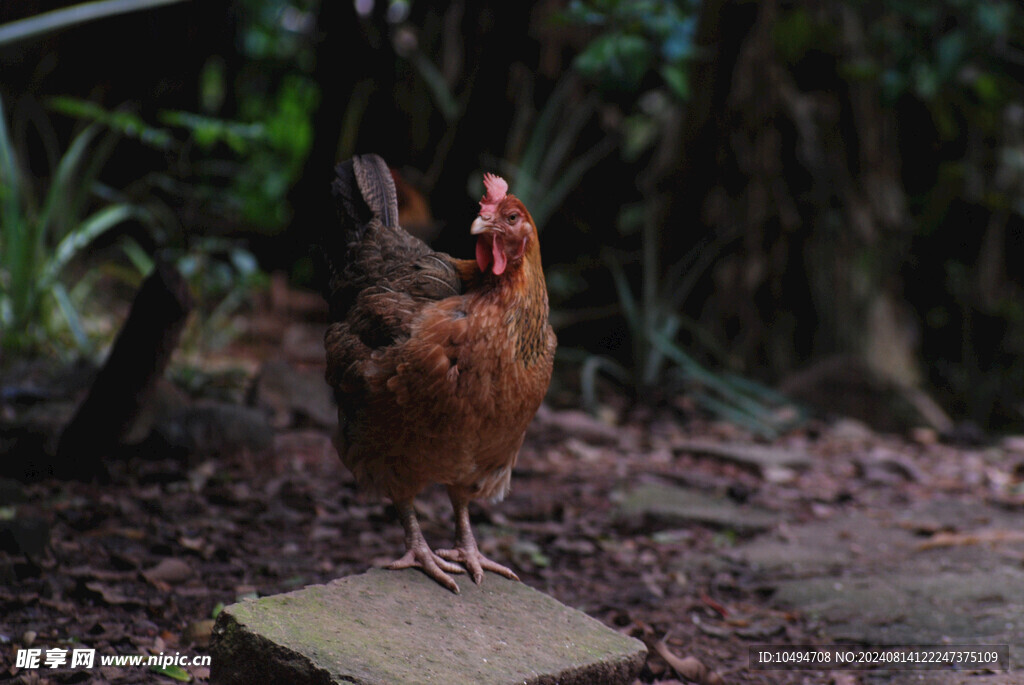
{"x": 511, "y": 218}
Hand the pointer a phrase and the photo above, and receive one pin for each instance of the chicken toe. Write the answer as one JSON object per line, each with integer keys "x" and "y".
{"x": 432, "y": 564}
{"x": 475, "y": 562}
{"x": 419, "y": 555}
{"x": 466, "y": 551}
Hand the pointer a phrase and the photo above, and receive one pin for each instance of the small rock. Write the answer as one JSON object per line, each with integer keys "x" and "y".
{"x": 198, "y": 633}
{"x": 757, "y": 457}
{"x": 851, "y": 429}
{"x": 212, "y": 428}
{"x": 288, "y": 392}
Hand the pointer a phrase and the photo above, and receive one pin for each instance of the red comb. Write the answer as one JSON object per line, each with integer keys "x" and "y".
{"x": 496, "y": 188}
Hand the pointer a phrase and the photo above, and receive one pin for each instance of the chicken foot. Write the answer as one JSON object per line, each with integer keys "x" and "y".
{"x": 419, "y": 554}
{"x": 465, "y": 550}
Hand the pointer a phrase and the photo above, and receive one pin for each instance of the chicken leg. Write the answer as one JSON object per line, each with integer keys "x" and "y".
{"x": 419, "y": 554}
{"x": 466, "y": 551}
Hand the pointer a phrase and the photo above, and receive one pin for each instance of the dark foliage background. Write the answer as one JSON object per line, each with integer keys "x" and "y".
{"x": 821, "y": 195}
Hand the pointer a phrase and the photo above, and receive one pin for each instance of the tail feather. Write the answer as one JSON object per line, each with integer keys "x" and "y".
{"x": 377, "y": 186}
{"x": 367, "y": 248}
{"x": 363, "y": 189}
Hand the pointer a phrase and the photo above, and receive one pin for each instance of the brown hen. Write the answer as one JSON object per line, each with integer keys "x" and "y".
{"x": 437, "y": 364}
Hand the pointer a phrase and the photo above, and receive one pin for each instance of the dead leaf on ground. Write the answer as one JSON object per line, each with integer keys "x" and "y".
{"x": 979, "y": 537}
{"x": 845, "y": 679}
{"x": 688, "y": 667}
{"x": 110, "y": 595}
{"x": 171, "y": 571}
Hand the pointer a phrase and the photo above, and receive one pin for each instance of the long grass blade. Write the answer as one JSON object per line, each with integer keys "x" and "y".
{"x": 561, "y": 145}
{"x": 139, "y": 258}
{"x": 692, "y": 369}
{"x": 734, "y": 415}
{"x": 570, "y": 178}
{"x": 74, "y": 321}
{"x": 527, "y": 178}
{"x": 588, "y": 378}
{"x": 15, "y": 241}
{"x": 64, "y": 185}
{"x": 655, "y": 357}
{"x": 626, "y": 298}
{"x": 438, "y": 86}
{"x": 88, "y": 230}
{"x": 47, "y": 22}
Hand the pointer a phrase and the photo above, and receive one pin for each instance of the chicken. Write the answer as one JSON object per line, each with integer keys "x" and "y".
{"x": 437, "y": 364}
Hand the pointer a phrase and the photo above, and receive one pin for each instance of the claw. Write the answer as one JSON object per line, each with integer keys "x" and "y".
{"x": 432, "y": 564}
{"x": 476, "y": 563}
{"x": 418, "y": 554}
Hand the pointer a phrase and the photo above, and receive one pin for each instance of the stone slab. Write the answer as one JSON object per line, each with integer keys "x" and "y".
{"x": 665, "y": 505}
{"x": 878, "y": 578}
{"x": 759, "y": 457}
{"x": 397, "y": 627}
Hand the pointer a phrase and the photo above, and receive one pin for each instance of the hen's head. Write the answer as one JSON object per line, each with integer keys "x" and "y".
{"x": 505, "y": 228}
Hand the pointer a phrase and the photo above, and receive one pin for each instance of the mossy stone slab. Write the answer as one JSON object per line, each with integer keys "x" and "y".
{"x": 397, "y": 627}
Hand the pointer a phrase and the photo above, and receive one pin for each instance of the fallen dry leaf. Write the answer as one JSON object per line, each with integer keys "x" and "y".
{"x": 979, "y": 537}
{"x": 689, "y": 667}
{"x": 170, "y": 570}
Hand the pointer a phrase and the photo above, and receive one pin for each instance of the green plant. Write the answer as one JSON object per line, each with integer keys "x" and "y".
{"x": 541, "y": 160}
{"x": 654, "y": 322}
{"x": 634, "y": 39}
{"x": 237, "y": 169}
{"x": 222, "y": 276}
{"x": 40, "y": 234}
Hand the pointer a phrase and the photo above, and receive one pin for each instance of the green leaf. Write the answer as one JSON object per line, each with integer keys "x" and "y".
{"x": 995, "y": 19}
{"x": 125, "y": 123}
{"x": 63, "y": 185}
{"x": 87, "y": 231}
{"x": 616, "y": 61}
{"x": 986, "y": 86}
{"x": 175, "y": 672}
{"x": 949, "y": 53}
{"x": 74, "y": 321}
{"x": 794, "y": 34}
{"x": 437, "y": 85}
{"x": 678, "y": 80}
{"x": 137, "y": 256}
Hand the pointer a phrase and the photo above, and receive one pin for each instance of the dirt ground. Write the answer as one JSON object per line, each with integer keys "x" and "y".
{"x": 253, "y": 501}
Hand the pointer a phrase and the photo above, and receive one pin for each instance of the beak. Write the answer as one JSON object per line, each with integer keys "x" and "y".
{"x": 481, "y": 225}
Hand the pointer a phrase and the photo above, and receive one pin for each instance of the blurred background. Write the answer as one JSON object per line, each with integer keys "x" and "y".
{"x": 737, "y": 199}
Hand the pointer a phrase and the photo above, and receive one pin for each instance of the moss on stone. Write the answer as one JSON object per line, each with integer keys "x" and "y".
{"x": 401, "y": 627}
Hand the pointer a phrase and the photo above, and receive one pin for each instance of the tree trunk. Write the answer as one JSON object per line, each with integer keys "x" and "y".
{"x": 797, "y": 165}
{"x": 135, "y": 363}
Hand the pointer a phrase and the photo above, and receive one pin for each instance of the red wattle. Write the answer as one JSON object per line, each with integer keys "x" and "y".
{"x": 483, "y": 253}
{"x": 500, "y": 260}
